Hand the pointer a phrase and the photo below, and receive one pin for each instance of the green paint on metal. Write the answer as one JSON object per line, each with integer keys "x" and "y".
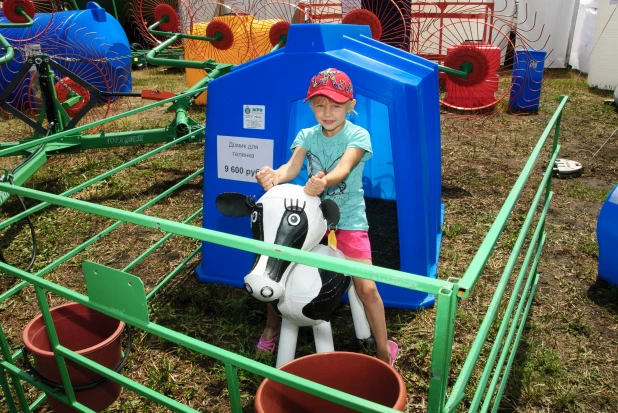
{"x": 6, "y": 354}
{"x": 478, "y": 263}
{"x": 157, "y": 244}
{"x": 101, "y": 177}
{"x": 13, "y": 150}
{"x": 506, "y": 346}
{"x": 498, "y": 345}
{"x": 535, "y": 280}
{"x": 233, "y": 388}
{"x": 475, "y": 268}
{"x": 172, "y": 274}
{"x": 464, "y": 70}
{"x": 122, "y": 293}
{"x": 449, "y": 292}
{"x": 385, "y": 275}
{"x": 442, "y": 348}
{"x": 55, "y": 343}
{"x": 190, "y": 343}
{"x": 41, "y": 386}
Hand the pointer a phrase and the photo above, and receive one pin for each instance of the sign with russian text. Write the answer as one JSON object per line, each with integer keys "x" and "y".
{"x": 239, "y": 159}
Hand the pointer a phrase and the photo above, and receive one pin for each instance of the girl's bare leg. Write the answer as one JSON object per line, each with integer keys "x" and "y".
{"x": 374, "y": 309}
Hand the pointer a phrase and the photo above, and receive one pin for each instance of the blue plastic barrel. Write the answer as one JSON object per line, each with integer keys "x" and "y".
{"x": 90, "y": 34}
{"x": 261, "y": 103}
{"x": 607, "y": 237}
{"x": 528, "y": 66}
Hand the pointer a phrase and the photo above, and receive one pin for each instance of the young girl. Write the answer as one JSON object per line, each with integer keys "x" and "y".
{"x": 336, "y": 152}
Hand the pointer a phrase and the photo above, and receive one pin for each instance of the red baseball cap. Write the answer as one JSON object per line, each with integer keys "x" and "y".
{"x": 332, "y": 83}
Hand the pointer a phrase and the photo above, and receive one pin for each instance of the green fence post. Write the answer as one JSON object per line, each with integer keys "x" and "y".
{"x": 6, "y": 354}
{"x": 442, "y": 348}
{"x": 8, "y": 397}
{"x": 55, "y": 343}
{"x": 233, "y": 388}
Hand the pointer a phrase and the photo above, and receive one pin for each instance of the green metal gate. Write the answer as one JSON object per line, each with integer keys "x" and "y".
{"x": 443, "y": 397}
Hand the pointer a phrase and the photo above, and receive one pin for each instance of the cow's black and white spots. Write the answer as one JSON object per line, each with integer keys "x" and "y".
{"x": 305, "y": 296}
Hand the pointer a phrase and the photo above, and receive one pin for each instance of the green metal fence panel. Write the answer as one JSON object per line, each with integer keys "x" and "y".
{"x": 471, "y": 275}
{"x": 448, "y": 294}
{"x": 483, "y": 394}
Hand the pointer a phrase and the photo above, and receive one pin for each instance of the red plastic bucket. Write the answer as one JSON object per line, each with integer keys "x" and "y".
{"x": 88, "y": 333}
{"x": 353, "y": 373}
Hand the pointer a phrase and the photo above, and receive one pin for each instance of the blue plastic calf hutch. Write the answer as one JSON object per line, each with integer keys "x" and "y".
{"x": 607, "y": 237}
{"x": 528, "y": 66}
{"x": 259, "y": 105}
{"x": 91, "y": 35}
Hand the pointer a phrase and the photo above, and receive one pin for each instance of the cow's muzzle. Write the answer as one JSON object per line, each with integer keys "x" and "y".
{"x": 263, "y": 288}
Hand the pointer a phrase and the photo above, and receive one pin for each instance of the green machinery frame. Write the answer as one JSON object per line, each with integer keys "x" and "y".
{"x": 442, "y": 397}
{"x": 102, "y": 296}
{"x": 62, "y": 135}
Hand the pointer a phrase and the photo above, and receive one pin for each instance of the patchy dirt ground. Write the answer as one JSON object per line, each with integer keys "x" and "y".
{"x": 568, "y": 357}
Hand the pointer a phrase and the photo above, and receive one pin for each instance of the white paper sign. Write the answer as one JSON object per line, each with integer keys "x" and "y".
{"x": 239, "y": 159}
{"x": 254, "y": 116}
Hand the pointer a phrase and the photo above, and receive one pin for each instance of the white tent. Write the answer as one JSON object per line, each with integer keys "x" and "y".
{"x": 604, "y": 58}
{"x": 583, "y": 36}
{"x": 547, "y": 25}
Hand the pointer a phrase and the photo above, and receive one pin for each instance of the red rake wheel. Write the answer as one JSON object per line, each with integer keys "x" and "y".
{"x": 67, "y": 88}
{"x": 167, "y": 12}
{"x": 278, "y": 33}
{"x": 217, "y": 27}
{"x": 148, "y": 12}
{"x": 462, "y": 56}
{"x": 209, "y": 18}
{"x": 271, "y": 23}
{"x": 388, "y": 19}
{"x": 90, "y": 71}
{"x": 367, "y": 18}
{"x": 480, "y": 47}
{"x": 10, "y": 10}
{"x": 41, "y": 11}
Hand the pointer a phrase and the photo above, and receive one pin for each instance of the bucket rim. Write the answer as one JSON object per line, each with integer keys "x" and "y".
{"x": 401, "y": 398}
{"x": 49, "y": 354}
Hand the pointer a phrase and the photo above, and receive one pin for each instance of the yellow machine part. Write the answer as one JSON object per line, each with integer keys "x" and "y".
{"x": 250, "y": 41}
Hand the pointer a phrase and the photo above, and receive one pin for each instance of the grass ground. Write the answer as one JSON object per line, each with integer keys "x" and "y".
{"x": 567, "y": 360}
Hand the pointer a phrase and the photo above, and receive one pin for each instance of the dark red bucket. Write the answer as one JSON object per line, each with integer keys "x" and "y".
{"x": 88, "y": 333}
{"x": 353, "y": 373}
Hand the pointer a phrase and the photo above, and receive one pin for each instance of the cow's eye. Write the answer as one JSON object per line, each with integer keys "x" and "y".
{"x": 294, "y": 219}
{"x": 254, "y": 216}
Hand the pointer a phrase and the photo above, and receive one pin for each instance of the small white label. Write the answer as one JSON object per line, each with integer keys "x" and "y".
{"x": 32, "y": 49}
{"x": 254, "y": 117}
{"x": 239, "y": 159}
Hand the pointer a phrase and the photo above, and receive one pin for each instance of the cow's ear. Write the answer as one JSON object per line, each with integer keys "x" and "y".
{"x": 235, "y": 205}
{"x": 330, "y": 210}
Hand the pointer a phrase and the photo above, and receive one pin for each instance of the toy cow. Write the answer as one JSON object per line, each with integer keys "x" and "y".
{"x": 305, "y": 296}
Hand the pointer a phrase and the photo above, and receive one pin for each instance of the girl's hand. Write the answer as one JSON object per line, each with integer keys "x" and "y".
{"x": 267, "y": 177}
{"x": 316, "y": 184}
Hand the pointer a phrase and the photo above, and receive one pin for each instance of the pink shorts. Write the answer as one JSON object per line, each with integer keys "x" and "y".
{"x": 353, "y": 243}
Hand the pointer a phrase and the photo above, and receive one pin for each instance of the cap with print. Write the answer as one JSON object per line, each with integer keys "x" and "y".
{"x": 332, "y": 83}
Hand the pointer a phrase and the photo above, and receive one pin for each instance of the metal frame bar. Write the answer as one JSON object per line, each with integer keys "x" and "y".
{"x": 448, "y": 293}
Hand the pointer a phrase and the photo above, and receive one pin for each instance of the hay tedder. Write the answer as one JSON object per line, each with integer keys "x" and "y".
{"x": 67, "y": 85}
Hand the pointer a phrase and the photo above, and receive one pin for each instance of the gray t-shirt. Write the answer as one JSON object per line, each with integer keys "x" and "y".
{"x": 323, "y": 154}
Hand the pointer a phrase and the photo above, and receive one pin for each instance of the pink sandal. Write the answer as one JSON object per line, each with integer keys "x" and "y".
{"x": 394, "y": 348}
{"x": 267, "y": 345}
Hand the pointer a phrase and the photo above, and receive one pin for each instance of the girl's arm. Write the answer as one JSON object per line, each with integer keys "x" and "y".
{"x": 291, "y": 169}
{"x": 268, "y": 178}
{"x": 351, "y": 157}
